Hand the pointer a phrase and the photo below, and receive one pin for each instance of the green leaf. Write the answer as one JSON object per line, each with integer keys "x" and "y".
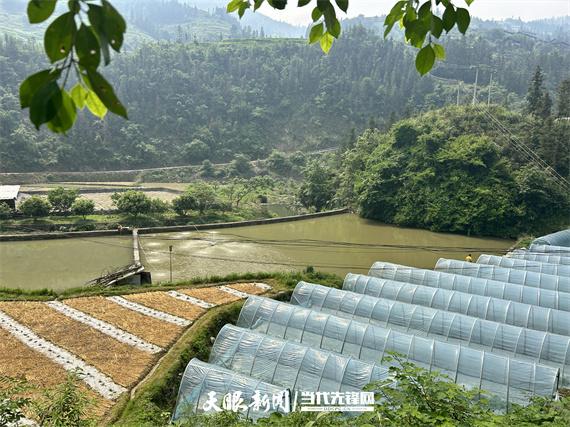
{"x": 95, "y": 105}
{"x": 87, "y": 47}
{"x": 425, "y": 60}
{"x": 316, "y": 33}
{"x": 335, "y": 29}
{"x": 449, "y": 18}
{"x": 463, "y": 19}
{"x": 33, "y": 83}
{"x": 45, "y": 104}
{"x": 79, "y": 94}
{"x": 257, "y": 4}
{"x": 105, "y": 93}
{"x": 277, "y": 4}
{"x": 233, "y": 6}
{"x": 58, "y": 38}
{"x": 342, "y": 5}
{"x": 327, "y": 41}
{"x": 39, "y": 11}
{"x": 439, "y": 51}
{"x": 97, "y": 20}
{"x": 243, "y": 7}
{"x": 469, "y": 2}
{"x": 66, "y": 115}
{"x": 115, "y": 25}
{"x": 302, "y": 3}
{"x": 436, "y": 26}
{"x": 316, "y": 14}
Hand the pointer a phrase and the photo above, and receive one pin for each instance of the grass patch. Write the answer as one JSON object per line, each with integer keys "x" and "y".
{"x": 286, "y": 280}
{"x": 523, "y": 242}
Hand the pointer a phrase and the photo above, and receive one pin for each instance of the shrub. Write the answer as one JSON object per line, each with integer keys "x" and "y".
{"x": 35, "y": 206}
{"x": 132, "y": 203}
{"x": 83, "y": 207}
{"x": 184, "y": 203}
{"x": 64, "y": 406}
{"x": 62, "y": 199}
{"x": 5, "y": 211}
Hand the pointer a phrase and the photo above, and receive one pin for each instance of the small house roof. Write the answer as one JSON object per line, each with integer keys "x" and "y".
{"x": 9, "y": 192}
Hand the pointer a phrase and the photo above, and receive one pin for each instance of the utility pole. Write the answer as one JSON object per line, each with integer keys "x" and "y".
{"x": 458, "y": 86}
{"x": 170, "y": 251}
{"x": 490, "y": 84}
{"x": 475, "y": 88}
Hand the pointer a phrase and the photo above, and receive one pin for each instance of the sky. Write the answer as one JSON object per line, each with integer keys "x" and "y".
{"x": 527, "y": 10}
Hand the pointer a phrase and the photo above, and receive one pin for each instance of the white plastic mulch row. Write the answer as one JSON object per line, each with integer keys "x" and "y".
{"x": 151, "y": 312}
{"x": 95, "y": 379}
{"x": 190, "y": 299}
{"x": 235, "y": 292}
{"x": 104, "y": 327}
{"x": 241, "y": 294}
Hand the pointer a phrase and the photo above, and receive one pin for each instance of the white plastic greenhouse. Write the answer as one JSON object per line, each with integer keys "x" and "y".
{"x": 291, "y": 365}
{"x": 520, "y": 277}
{"x": 472, "y": 285}
{"x": 542, "y": 257}
{"x": 509, "y": 379}
{"x": 202, "y": 378}
{"x": 495, "y": 309}
{"x": 521, "y": 264}
{"x": 443, "y": 325}
{"x": 560, "y": 238}
{"x": 548, "y": 249}
{"x": 501, "y": 325}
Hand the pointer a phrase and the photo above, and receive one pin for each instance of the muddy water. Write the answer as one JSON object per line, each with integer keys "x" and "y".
{"x": 337, "y": 244}
{"x": 61, "y": 264}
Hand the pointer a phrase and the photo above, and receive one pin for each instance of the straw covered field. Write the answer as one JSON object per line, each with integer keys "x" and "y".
{"x": 148, "y": 328}
{"x": 248, "y": 288}
{"x": 164, "y": 302}
{"x": 211, "y": 295}
{"x": 120, "y": 361}
{"x": 41, "y": 342}
{"x": 20, "y": 361}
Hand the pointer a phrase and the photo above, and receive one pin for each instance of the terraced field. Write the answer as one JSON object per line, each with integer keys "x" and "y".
{"x": 112, "y": 342}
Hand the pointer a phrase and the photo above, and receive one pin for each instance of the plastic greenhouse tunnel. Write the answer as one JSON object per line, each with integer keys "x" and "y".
{"x": 200, "y": 379}
{"x": 509, "y": 380}
{"x": 521, "y": 264}
{"x": 525, "y": 278}
{"x": 488, "y": 308}
{"x": 560, "y": 238}
{"x": 472, "y": 285}
{"x": 548, "y": 249}
{"x": 541, "y": 257}
{"x": 507, "y": 340}
{"x": 291, "y": 365}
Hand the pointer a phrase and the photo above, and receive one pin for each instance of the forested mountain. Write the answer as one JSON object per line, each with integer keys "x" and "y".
{"x": 190, "y": 101}
{"x": 456, "y": 170}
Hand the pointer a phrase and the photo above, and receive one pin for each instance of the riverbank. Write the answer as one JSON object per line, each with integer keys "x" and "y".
{"x": 167, "y": 229}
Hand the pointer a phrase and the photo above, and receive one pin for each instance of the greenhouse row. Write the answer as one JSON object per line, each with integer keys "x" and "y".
{"x": 501, "y": 325}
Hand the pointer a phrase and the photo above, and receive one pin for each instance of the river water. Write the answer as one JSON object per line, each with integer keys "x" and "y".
{"x": 337, "y": 244}
{"x": 63, "y": 263}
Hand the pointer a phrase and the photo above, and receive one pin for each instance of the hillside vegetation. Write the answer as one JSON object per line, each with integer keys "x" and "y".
{"x": 453, "y": 170}
{"x": 193, "y": 101}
